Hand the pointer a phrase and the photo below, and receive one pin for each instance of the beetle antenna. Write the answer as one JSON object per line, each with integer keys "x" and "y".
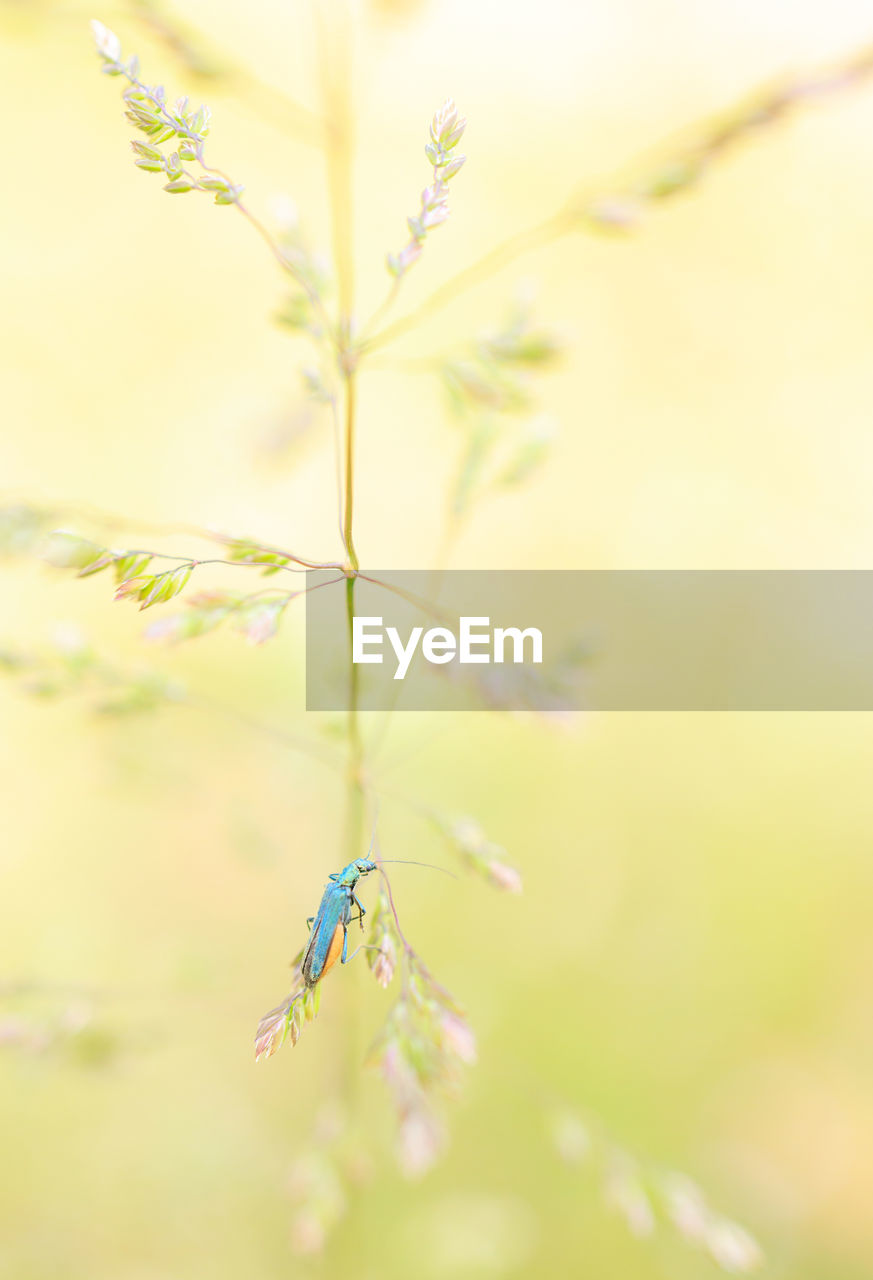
{"x": 406, "y": 862}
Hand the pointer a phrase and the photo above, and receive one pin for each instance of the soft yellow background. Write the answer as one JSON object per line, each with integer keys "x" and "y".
{"x": 691, "y": 963}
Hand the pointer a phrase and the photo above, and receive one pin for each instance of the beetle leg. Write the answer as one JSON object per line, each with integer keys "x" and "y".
{"x": 364, "y": 946}
{"x": 361, "y": 910}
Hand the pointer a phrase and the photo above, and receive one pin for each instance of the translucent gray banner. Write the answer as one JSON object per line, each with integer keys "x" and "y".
{"x": 630, "y": 640}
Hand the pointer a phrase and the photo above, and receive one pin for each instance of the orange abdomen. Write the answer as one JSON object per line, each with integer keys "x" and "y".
{"x": 335, "y": 949}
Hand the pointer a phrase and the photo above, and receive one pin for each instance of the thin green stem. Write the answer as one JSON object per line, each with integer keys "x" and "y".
{"x": 286, "y": 265}
{"x": 492, "y": 262}
{"x": 349, "y": 473}
{"x": 334, "y": 52}
{"x": 355, "y": 778}
{"x": 195, "y": 563}
{"x": 334, "y": 27}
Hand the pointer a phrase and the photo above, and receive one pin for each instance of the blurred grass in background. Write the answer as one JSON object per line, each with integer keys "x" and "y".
{"x": 691, "y": 964}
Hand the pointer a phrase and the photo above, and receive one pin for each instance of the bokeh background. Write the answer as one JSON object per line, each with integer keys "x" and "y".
{"x": 690, "y": 968}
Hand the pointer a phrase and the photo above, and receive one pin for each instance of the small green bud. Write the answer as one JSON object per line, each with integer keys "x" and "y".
{"x": 130, "y": 566}
{"x": 143, "y": 117}
{"x": 135, "y": 588}
{"x": 102, "y": 562}
{"x": 68, "y": 551}
{"x": 200, "y": 121}
{"x": 451, "y": 167}
{"x": 147, "y": 152}
{"x": 230, "y": 196}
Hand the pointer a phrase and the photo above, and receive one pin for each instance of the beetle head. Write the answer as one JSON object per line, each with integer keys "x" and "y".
{"x": 351, "y": 874}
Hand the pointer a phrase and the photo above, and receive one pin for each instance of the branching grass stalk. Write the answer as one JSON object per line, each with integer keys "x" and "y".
{"x": 425, "y": 1035}
{"x": 411, "y": 953}
{"x": 618, "y": 209}
{"x": 234, "y": 190}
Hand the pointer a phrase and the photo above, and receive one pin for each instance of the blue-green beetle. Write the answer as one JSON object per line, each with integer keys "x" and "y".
{"x": 328, "y": 937}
